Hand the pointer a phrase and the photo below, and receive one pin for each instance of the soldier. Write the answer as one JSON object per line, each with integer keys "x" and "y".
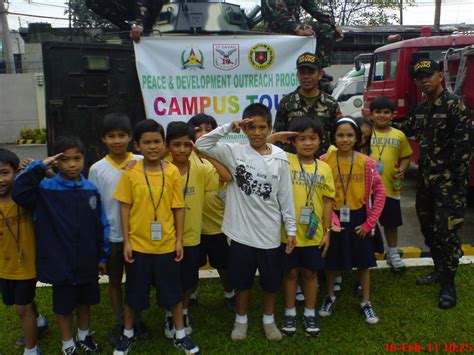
{"x": 283, "y": 16}
{"x": 441, "y": 125}
{"x": 135, "y": 16}
{"x": 308, "y": 100}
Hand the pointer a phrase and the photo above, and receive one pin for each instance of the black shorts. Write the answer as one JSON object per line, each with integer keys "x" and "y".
{"x": 18, "y": 292}
{"x": 244, "y": 261}
{"x": 158, "y": 270}
{"x": 216, "y": 248}
{"x": 67, "y": 297}
{"x": 190, "y": 267}
{"x": 116, "y": 263}
{"x": 391, "y": 216}
{"x": 309, "y": 258}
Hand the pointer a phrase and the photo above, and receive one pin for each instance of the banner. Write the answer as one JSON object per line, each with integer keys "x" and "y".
{"x": 181, "y": 76}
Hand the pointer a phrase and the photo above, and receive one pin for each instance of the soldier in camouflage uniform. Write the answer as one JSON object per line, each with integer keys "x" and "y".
{"x": 136, "y": 16}
{"x": 283, "y": 16}
{"x": 441, "y": 125}
{"x": 308, "y": 100}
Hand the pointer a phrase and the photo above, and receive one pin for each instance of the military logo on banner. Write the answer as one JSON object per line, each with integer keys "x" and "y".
{"x": 192, "y": 58}
{"x": 261, "y": 56}
{"x": 226, "y": 56}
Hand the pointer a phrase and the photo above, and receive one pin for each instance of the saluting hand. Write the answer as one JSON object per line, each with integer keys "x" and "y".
{"x": 51, "y": 162}
{"x": 238, "y": 125}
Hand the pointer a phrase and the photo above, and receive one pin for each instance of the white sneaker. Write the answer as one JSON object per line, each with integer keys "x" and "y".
{"x": 395, "y": 262}
{"x": 369, "y": 314}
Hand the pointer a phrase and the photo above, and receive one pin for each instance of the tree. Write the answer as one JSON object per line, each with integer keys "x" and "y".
{"x": 83, "y": 17}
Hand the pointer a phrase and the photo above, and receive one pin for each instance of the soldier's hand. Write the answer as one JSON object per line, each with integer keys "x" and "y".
{"x": 136, "y": 33}
{"x": 307, "y": 31}
{"x": 339, "y": 34}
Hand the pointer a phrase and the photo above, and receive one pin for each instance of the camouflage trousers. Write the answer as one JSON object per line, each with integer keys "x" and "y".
{"x": 440, "y": 206}
{"x": 325, "y": 39}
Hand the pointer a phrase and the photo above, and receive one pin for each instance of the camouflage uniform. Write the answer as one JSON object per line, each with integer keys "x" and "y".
{"x": 443, "y": 134}
{"x": 293, "y": 105}
{"x": 283, "y": 16}
{"x": 122, "y": 12}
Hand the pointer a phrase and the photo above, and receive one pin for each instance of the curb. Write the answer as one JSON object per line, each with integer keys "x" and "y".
{"x": 415, "y": 252}
{"x": 30, "y": 141}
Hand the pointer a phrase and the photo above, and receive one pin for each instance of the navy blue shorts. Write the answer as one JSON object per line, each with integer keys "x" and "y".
{"x": 158, "y": 270}
{"x": 391, "y": 216}
{"x": 116, "y": 263}
{"x": 216, "y": 248}
{"x": 347, "y": 250}
{"x": 67, "y": 297}
{"x": 190, "y": 267}
{"x": 244, "y": 261}
{"x": 309, "y": 258}
{"x": 18, "y": 292}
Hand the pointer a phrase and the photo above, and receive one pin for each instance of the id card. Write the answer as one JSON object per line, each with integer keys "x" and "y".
{"x": 379, "y": 167}
{"x": 305, "y": 214}
{"x": 156, "y": 231}
{"x": 345, "y": 214}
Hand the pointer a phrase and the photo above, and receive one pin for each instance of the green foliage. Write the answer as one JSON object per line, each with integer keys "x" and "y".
{"x": 36, "y": 134}
{"x": 83, "y": 17}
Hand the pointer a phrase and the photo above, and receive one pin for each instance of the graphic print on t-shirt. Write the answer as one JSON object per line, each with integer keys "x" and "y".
{"x": 250, "y": 184}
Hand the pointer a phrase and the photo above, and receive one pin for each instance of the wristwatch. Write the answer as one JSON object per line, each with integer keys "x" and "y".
{"x": 328, "y": 229}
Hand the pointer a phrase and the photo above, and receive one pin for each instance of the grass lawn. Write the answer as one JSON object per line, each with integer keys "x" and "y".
{"x": 408, "y": 315}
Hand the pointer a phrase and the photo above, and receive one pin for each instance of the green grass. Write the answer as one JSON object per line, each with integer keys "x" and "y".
{"x": 408, "y": 315}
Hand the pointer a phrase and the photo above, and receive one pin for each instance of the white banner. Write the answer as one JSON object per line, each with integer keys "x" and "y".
{"x": 181, "y": 76}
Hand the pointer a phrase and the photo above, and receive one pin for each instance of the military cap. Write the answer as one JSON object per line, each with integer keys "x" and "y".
{"x": 309, "y": 60}
{"x": 425, "y": 67}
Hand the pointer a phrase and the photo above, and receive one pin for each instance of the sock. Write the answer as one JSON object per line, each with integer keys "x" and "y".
{"x": 129, "y": 333}
{"x": 309, "y": 312}
{"x": 298, "y": 289}
{"x": 41, "y": 321}
{"x": 392, "y": 251}
{"x": 363, "y": 304}
{"x": 168, "y": 314}
{"x": 268, "y": 319}
{"x": 241, "y": 319}
{"x": 68, "y": 343}
{"x": 333, "y": 298}
{"x": 185, "y": 311}
{"x": 81, "y": 334}
{"x": 290, "y": 312}
{"x": 229, "y": 294}
{"x": 180, "y": 333}
{"x": 338, "y": 279}
{"x": 32, "y": 351}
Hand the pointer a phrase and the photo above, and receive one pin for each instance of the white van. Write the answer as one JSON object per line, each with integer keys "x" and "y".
{"x": 349, "y": 91}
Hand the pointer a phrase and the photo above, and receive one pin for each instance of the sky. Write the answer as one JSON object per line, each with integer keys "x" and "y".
{"x": 452, "y": 12}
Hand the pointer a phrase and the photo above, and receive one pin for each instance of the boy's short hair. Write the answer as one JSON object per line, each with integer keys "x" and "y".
{"x": 179, "y": 129}
{"x": 9, "y": 158}
{"x": 64, "y": 143}
{"x": 202, "y": 118}
{"x": 306, "y": 122}
{"x": 346, "y": 120}
{"x": 257, "y": 109}
{"x": 116, "y": 121}
{"x": 381, "y": 102}
{"x": 146, "y": 126}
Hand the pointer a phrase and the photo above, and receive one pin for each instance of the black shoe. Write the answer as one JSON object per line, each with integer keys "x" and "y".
{"x": 186, "y": 344}
{"x": 447, "y": 297}
{"x": 89, "y": 344}
{"x": 288, "y": 325}
{"x": 124, "y": 346}
{"x": 72, "y": 350}
{"x": 141, "y": 330}
{"x": 431, "y": 278}
{"x": 116, "y": 334}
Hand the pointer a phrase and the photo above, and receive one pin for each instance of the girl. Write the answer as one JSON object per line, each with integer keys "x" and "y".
{"x": 365, "y": 126}
{"x": 313, "y": 195}
{"x": 355, "y": 178}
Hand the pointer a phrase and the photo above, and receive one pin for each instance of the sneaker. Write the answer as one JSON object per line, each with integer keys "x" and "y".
{"x": 141, "y": 330}
{"x": 116, "y": 334}
{"x": 327, "y": 307}
{"x": 41, "y": 332}
{"x": 395, "y": 262}
{"x": 272, "y": 332}
{"x": 169, "y": 327}
{"x": 186, "y": 344}
{"x": 72, "y": 350}
{"x": 124, "y": 346}
{"x": 288, "y": 325}
{"x": 187, "y": 324}
{"x": 369, "y": 314}
{"x": 431, "y": 278}
{"x": 231, "y": 303}
{"x": 312, "y": 326}
{"x": 89, "y": 344}
{"x": 447, "y": 297}
{"x": 239, "y": 332}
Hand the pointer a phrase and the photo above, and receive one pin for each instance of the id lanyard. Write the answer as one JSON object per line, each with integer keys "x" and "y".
{"x": 309, "y": 183}
{"x": 341, "y": 179}
{"x": 185, "y": 189}
{"x": 383, "y": 146}
{"x": 16, "y": 237}
{"x": 155, "y": 207}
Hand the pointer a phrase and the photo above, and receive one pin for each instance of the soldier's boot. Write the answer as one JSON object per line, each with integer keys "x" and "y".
{"x": 447, "y": 295}
{"x": 434, "y": 276}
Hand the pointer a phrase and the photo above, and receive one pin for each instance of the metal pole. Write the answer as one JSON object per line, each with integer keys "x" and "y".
{"x": 9, "y": 59}
{"x": 401, "y": 12}
{"x": 437, "y": 16}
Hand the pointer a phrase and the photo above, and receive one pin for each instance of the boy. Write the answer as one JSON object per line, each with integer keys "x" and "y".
{"x": 72, "y": 229}
{"x": 258, "y": 199}
{"x": 105, "y": 174}
{"x": 17, "y": 254}
{"x": 389, "y": 148}
{"x": 213, "y": 242}
{"x": 152, "y": 218}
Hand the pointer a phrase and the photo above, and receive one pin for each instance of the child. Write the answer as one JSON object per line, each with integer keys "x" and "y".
{"x": 105, "y": 174}
{"x": 258, "y": 199}
{"x": 214, "y": 244}
{"x": 365, "y": 126}
{"x": 72, "y": 235}
{"x": 152, "y": 218}
{"x": 355, "y": 178}
{"x": 391, "y": 150}
{"x": 17, "y": 254}
{"x": 313, "y": 194}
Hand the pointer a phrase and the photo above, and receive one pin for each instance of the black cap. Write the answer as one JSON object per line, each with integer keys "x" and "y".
{"x": 309, "y": 60}
{"x": 425, "y": 67}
